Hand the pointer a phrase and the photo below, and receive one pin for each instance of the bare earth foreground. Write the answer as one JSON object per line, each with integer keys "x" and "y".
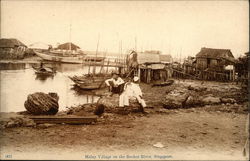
{"x": 209, "y": 132}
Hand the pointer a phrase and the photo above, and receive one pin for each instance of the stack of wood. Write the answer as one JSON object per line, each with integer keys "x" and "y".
{"x": 40, "y": 103}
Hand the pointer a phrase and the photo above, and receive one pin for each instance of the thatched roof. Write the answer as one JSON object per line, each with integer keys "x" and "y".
{"x": 166, "y": 58}
{"x": 66, "y": 46}
{"x": 10, "y": 43}
{"x": 214, "y": 53}
{"x": 147, "y": 58}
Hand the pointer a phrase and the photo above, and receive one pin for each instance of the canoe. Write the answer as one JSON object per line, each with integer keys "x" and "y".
{"x": 44, "y": 71}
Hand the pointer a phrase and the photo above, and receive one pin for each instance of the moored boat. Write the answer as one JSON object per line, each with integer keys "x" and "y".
{"x": 58, "y": 57}
{"x": 44, "y": 71}
{"x": 68, "y": 57}
{"x": 89, "y": 82}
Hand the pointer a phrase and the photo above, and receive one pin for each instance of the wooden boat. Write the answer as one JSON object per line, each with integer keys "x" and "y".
{"x": 56, "y": 57}
{"x": 69, "y": 57}
{"x": 44, "y": 71}
{"x": 89, "y": 82}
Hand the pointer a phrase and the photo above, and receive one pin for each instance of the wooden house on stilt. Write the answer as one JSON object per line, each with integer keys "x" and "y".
{"x": 150, "y": 66}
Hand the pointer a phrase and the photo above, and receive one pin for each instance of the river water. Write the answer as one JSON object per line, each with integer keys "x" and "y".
{"x": 19, "y": 79}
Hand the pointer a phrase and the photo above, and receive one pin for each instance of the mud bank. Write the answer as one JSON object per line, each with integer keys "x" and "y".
{"x": 185, "y": 133}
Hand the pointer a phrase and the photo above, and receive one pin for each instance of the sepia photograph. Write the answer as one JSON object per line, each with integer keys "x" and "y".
{"x": 124, "y": 80}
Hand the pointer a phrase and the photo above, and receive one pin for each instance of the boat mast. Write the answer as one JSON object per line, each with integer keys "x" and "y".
{"x": 94, "y": 68}
{"x": 70, "y": 36}
{"x": 135, "y": 44}
{"x": 70, "y": 23}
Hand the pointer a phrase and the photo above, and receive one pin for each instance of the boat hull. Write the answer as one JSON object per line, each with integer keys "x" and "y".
{"x": 61, "y": 59}
{"x": 88, "y": 83}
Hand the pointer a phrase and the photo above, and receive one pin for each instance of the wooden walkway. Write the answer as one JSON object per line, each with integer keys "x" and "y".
{"x": 64, "y": 119}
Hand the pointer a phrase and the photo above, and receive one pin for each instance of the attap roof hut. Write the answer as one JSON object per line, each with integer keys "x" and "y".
{"x": 211, "y": 58}
{"x": 148, "y": 57}
{"x": 10, "y": 43}
{"x": 215, "y": 53}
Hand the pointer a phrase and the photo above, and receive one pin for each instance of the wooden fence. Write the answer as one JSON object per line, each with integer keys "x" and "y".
{"x": 205, "y": 75}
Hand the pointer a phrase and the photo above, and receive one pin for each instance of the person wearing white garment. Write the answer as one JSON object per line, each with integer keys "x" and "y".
{"x": 132, "y": 90}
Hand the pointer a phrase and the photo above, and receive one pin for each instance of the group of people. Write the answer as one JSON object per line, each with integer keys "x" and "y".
{"x": 126, "y": 90}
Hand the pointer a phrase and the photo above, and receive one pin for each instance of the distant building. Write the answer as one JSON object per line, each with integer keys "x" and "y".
{"x": 68, "y": 46}
{"x": 12, "y": 49}
{"x": 214, "y": 59}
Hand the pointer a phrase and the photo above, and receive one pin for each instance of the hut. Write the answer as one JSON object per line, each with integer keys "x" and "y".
{"x": 148, "y": 66}
{"x": 148, "y": 57}
{"x": 68, "y": 46}
{"x": 12, "y": 49}
{"x": 215, "y": 64}
{"x": 214, "y": 59}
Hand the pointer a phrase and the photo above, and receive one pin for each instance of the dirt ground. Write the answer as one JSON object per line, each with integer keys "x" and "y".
{"x": 210, "y": 132}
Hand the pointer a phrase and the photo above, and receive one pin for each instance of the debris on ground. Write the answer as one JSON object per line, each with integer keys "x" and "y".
{"x": 10, "y": 120}
{"x": 158, "y": 145}
{"x": 166, "y": 83}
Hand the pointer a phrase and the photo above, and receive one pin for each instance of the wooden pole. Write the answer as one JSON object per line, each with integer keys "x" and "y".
{"x": 103, "y": 62}
{"x": 107, "y": 69}
{"x": 94, "y": 68}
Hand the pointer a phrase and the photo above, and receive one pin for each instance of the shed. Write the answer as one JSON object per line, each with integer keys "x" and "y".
{"x": 151, "y": 72}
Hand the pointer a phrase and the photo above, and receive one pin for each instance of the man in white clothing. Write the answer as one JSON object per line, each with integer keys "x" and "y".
{"x": 132, "y": 90}
{"x": 115, "y": 84}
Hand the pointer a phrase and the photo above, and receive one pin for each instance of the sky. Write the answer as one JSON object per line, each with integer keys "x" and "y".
{"x": 179, "y": 28}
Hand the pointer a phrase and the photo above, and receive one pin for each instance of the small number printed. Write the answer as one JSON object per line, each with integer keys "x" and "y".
{"x": 8, "y": 156}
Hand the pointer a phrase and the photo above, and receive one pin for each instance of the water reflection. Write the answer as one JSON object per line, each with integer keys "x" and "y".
{"x": 43, "y": 78}
{"x": 12, "y": 66}
{"x": 17, "y": 81}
